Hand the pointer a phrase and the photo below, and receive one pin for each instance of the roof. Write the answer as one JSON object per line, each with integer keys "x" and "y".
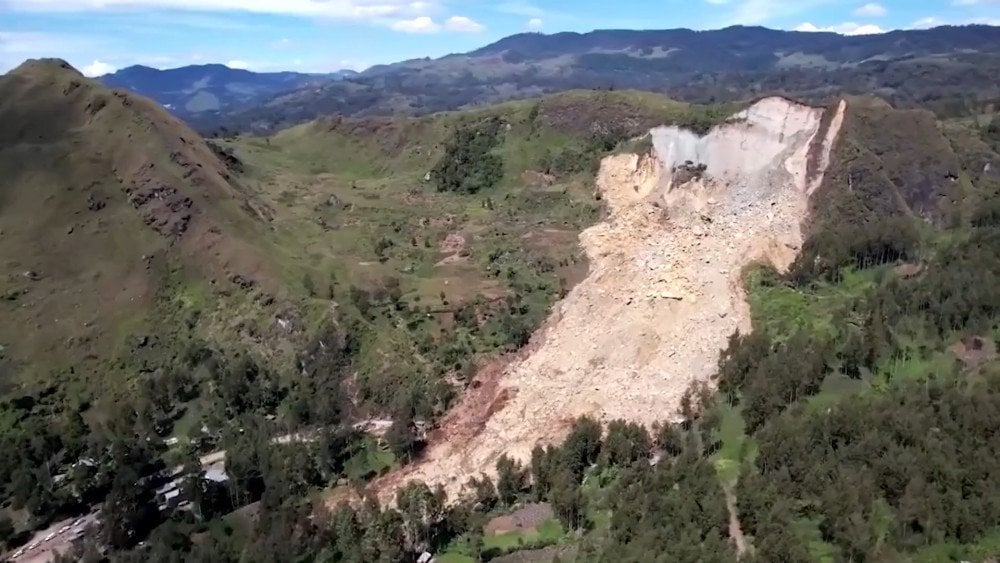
{"x": 216, "y": 474}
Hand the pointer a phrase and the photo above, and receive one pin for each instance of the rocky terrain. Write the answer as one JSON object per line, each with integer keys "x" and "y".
{"x": 664, "y": 291}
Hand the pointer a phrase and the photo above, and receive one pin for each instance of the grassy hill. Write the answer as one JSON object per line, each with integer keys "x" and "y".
{"x": 106, "y": 201}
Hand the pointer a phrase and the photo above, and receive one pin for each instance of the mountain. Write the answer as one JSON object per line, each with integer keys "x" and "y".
{"x": 108, "y": 204}
{"x": 200, "y": 89}
{"x": 950, "y": 69}
{"x": 607, "y": 323}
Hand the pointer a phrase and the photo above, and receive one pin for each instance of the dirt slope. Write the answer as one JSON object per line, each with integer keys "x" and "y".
{"x": 101, "y": 192}
{"x": 663, "y": 294}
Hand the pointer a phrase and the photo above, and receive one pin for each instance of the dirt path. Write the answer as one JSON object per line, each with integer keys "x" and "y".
{"x": 662, "y": 297}
{"x": 735, "y": 528}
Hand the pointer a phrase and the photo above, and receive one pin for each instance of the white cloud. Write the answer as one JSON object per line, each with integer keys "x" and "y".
{"x": 238, "y": 64}
{"x": 339, "y": 9}
{"x": 463, "y": 24}
{"x": 846, "y": 28}
{"x": 97, "y": 68}
{"x": 535, "y": 24}
{"x": 426, "y": 24}
{"x": 420, "y": 24}
{"x": 871, "y": 10}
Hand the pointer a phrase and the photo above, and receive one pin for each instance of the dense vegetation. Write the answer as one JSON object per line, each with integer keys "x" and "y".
{"x": 468, "y": 164}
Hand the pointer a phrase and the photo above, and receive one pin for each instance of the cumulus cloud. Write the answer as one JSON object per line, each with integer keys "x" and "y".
{"x": 420, "y": 24}
{"x": 238, "y": 64}
{"x": 97, "y": 68}
{"x": 846, "y": 28}
{"x": 535, "y": 24}
{"x": 463, "y": 24}
{"x": 340, "y": 9}
{"x": 871, "y": 10}
{"x": 426, "y": 24}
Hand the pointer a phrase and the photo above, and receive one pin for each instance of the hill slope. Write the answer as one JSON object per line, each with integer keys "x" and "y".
{"x": 951, "y": 68}
{"x": 104, "y": 194}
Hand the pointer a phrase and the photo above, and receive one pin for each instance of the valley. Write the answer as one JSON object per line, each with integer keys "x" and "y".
{"x": 592, "y": 325}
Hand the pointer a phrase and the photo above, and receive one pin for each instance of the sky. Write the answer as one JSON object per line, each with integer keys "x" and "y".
{"x": 100, "y": 36}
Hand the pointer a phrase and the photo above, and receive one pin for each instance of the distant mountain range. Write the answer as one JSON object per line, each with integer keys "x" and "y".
{"x": 200, "y": 90}
{"x": 953, "y": 70}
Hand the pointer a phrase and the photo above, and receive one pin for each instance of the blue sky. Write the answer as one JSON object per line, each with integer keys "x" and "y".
{"x": 324, "y": 35}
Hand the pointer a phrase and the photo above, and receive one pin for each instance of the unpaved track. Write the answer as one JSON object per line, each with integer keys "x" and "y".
{"x": 663, "y": 294}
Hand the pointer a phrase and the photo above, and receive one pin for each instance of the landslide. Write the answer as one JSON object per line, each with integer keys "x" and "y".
{"x": 104, "y": 197}
{"x": 664, "y": 291}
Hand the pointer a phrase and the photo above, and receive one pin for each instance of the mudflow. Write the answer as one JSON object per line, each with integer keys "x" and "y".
{"x": 663, "y": 294}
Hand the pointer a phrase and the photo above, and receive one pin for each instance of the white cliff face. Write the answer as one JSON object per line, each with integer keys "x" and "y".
{"x": 664, "y": 291}
{"x": 771, "y": 136}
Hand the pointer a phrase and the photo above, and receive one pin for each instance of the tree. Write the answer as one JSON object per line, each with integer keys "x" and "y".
{"x": 582, "y": 446}
{"x": 402, "y": 437}
{"x": 485, "y": 493}
{"x": 128, "y": 513}
{"x": 567, "y": 500}
{"x": 541, "y": 471}
{"x": 423, "y": 512}
{"x": 7, "y": 529}
{"x": 510, "y": 480}
{"x": 625, "y": 444}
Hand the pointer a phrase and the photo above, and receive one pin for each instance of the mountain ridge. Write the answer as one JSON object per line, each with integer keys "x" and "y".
{"x": 210, "y": 88}
{"x": 949, "y": 69}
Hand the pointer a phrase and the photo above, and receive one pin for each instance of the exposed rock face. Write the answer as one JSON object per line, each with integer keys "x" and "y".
{"x": 664, "y": 292}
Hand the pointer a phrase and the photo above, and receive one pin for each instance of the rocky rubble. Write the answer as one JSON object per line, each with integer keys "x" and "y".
{"x": 664, "y": 292}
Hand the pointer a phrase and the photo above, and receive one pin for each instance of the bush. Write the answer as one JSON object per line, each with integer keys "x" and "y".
{"x": 468, "y": 164}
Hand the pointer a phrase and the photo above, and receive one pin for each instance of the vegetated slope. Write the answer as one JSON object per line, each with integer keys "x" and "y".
{"x": 663, "y": 292}
{"x": 448, "y": 236}
{"x": 949, "y": 69}
{"x": 199, "y": 90}
{"x": 103, "y": 197}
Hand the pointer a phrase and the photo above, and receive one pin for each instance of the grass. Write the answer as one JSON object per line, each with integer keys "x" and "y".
{"x": 782, "y": 310}
{"x": 808, "y": 531}
{"x": 549, "y": 533}
{"x": 451, "y": 557}
{"x": 737, "y": 448}
{"x": 988, "y": 546}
